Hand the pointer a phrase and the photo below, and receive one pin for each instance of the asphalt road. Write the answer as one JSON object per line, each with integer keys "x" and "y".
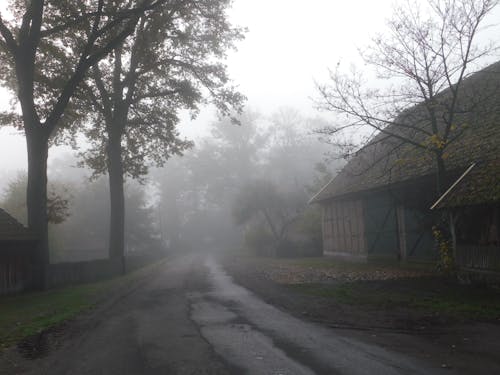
{"x": 191, "y": 318}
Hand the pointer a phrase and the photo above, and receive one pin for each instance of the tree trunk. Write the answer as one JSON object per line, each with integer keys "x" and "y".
{"x": 440, "y": 175}
{"x": 447, "y": 216}
{"x": 117, "y": 199}
{"x": 172, "y": 223}
{"x": 36, "y": 200}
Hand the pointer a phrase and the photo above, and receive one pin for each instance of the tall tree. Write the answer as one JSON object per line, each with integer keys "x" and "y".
{"x": 44, "y": 64}
{"x": 171, "y": 62}
{"x": 422, "y": 59}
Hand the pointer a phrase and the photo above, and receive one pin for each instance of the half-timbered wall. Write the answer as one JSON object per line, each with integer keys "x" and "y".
{"x": 343, "y": 228}
{"x": 377, "y": 227}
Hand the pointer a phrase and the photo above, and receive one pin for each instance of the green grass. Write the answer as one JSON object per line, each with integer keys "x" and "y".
{"x": 458, "y": 301}
{"x": 336, "y": 263}
{"x": 30, "y": 313}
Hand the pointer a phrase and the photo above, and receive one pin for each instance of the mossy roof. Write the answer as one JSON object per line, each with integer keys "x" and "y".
{"x": 481, "y": 185}
{"x": 386, "y": 160}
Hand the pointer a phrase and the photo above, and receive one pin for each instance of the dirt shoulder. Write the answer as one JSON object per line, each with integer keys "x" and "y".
{"x": 412, "y": 310}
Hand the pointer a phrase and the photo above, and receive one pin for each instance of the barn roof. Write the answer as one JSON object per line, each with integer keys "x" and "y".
{"x": 481, "y": 185}
{"x": 386, "y": 160}
{"x": 12, "y": 230}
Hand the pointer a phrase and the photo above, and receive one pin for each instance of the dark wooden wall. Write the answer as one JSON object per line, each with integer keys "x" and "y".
{"x": 15, "y": 267}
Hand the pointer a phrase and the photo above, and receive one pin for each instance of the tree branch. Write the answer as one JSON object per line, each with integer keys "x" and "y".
{"x": 84, "y": 64}
{"x": 8, "y": 37}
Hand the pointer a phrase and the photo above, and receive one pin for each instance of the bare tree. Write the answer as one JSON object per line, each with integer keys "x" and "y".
{"x": 262, "y": 200}
{"x": 422, "y": 62}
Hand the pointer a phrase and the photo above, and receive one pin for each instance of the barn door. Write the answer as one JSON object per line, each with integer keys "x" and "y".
{"x": 381, "y": 227}
{"x": 420, "y": 243}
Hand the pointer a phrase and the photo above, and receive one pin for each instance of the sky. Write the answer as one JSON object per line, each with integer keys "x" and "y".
{"x": 289, "y": 45}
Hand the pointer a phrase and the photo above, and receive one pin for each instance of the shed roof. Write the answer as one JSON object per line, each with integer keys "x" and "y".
{"x": 387, "y": 160}
{"x": 12, "y": 230}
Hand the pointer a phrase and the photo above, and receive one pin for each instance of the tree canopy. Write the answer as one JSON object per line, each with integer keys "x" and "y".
{"x": 46, "y": 50}
{"x": 172, "y": 61}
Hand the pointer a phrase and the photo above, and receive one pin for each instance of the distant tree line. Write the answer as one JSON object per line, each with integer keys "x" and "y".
{"x": 248, "y": 186}
{"x": 79, "y": 213}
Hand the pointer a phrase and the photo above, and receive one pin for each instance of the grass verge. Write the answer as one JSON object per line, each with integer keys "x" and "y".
{"x": 29, "y": 313}
{"x": 343, "y": 264}
{"x": 404, "y": 290}
{"x": 427, "y": 296}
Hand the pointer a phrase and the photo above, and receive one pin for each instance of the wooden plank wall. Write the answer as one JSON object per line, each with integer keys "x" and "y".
{"x": 343, "y": 227}
{"x": 14, "y": 273}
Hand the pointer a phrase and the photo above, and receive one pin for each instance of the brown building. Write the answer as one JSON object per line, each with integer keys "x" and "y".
{"x": 379, "y": 205}
{"x": 17, "y": 247}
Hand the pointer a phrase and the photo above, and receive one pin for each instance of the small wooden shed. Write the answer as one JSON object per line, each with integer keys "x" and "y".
{"x": 17, "y": 251}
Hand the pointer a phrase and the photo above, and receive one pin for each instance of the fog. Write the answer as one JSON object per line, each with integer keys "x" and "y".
{"x": 286, "y": 48}
{"x": 244, "y": 184}
{"x": 249, "y": 186}
{"x": 190, "y": 202}
{"x": 196, "y": 201}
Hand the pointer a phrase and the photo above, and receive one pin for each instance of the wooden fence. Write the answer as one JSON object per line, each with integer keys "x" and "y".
{"x": 101, "y": 269}
{"x": 81, "y": 272}
{"x": 16, "y": 270}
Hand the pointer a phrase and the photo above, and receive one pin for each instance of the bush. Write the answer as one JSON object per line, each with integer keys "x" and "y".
{"x": 259, "y": 241}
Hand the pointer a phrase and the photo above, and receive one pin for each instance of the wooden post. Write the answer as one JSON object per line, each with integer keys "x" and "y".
{"x": 400, "y": 214}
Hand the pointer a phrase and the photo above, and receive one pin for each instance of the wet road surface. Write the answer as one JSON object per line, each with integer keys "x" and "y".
{"x": 264, "y": 340}
{"x": 191, "y": 318}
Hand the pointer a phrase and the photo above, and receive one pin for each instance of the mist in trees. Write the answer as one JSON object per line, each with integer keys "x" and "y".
{"x": 46, "y": 52}
{"x": 240, "y": 186}
{"x": 79, "y": 220}
{"x": 247, "y": 186}
{"x": 121, "y": 65}
{"x": 113, "y": 79}
{"x": 165, "y": 66}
